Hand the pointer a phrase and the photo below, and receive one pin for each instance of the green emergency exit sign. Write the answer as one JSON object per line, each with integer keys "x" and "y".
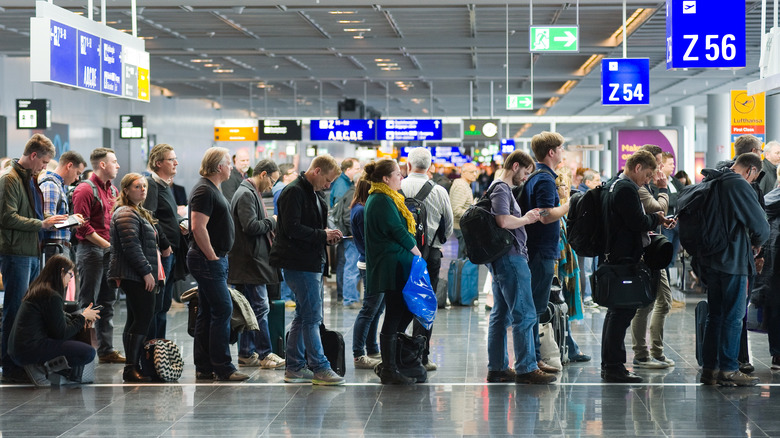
{"x": 554, "y": 39}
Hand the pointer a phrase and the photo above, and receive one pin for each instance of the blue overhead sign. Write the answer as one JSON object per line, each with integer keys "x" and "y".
{"x": 343, "y": 130}
{"x": 89, "y": 61}
{"x": 64, "y": 42}
{"x": 409, "y": 130}
{"x": 507, "y": 145}
{"x": 705, "y": 34}
{"x": 625, "y": 81}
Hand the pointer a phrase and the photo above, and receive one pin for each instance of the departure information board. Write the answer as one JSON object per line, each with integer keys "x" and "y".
{"x": 343, "y": 130}
{"x": 409, "y": 130}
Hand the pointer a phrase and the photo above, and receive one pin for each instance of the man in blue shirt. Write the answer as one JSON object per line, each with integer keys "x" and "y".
{"x": 349, "y": 168}
{"x": 540, "y": 191}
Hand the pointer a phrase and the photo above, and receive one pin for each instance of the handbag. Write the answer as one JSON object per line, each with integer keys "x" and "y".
{"x": 623, "y": 285}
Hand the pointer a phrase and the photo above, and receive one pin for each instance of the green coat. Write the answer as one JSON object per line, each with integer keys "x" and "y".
{"x": 388, "y": 246}
{"x": 18, "y": 225}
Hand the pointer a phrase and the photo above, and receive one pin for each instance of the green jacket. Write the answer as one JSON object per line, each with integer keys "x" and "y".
{"x": 18, "y": 225}
{"x": 388, "y": 246}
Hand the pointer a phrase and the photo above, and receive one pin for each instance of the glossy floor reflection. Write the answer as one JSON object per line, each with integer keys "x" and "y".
{"x": 456, "y": 401}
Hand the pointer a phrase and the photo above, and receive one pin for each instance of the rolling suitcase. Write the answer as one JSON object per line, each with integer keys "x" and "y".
{"x": 462, "y": 282}
{"x": 702, "y": 309}
{"x": 276, "y": 325}
{"x": 560, "y": 325}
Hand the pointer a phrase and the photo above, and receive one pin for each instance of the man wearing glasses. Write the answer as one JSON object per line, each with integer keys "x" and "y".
{"x": 461, "y": 198}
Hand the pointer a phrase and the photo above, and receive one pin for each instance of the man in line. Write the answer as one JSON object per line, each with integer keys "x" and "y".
{"x": 726, "y": 273}
{"x": 299, "y": 249}
{"x": 540, "y": 191}
{"x": 439, "y": 225}
{"x": 21, "y": 223}
{"x": 240, "y": 172}
{"x": 94, "y": 200}
{"x": 461, "y": 198}
{"x": 288, "y": 175}
{"x": 653, "y": 358}
{"x": 349, "y": 168}
{"x": 769, "y": 166}
{"x": 54, "y": 187}
{"x": 675, "y": 187}
{"x": 591, "y": 179}
{"x": 628, "y": 227}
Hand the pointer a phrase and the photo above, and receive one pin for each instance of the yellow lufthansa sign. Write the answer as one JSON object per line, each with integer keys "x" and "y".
{"x": 747, "y": 115}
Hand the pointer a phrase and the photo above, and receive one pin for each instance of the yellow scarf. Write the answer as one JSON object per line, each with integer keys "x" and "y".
{"x": 399, "y": 203}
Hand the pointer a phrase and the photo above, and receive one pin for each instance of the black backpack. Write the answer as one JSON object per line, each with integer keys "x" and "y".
{"x": 420, "y": 214}
{"x": 699, "y": 216}
{"x": 485, "y": 241}
{"x": 585, "y": 222}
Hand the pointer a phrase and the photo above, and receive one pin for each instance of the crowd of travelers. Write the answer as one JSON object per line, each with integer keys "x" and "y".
{"x": 61, "y": 232}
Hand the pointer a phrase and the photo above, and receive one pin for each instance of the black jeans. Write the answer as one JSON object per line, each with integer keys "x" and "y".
{"x": 434, "y": 267}
{"x": 397, "y": 315}
{"x": 140, "y": 307}
{"x": 76, "y": 352}
{"x": 613, "y": 347}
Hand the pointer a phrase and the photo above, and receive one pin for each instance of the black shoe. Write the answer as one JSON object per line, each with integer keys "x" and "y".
{"x": 18, "y": 376}
{"x": 203, "y": 376}
{"x": 507, "y": 375}
{"x": 580, "y": 358}
{"x": 623, "y": 376}
{"x": 746, "y": 367}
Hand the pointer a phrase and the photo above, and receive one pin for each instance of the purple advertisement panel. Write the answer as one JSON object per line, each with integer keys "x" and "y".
{"x": 630, "y": 140}
{"x": 112, "y": 68}
{"x": 63, "y": 53}
{"x": 89, "y": 61}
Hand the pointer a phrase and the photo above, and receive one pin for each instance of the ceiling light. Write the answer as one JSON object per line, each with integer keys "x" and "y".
{"x": 223, "y": 70}
{"x": 381, "y": 60}
{"x": 567, "y": 86}
{"x": 541, "y": 111}
{"x": 387, "y": 64}
{"x": 552, "y": 101}
{"x": 147, "y": 38}
{"x": 342, "y": 12}
{"x": 201, "y": 60}
{"x": 211, "y": 65}
{"x": 390, "y": 68}
{"x": 358, "y": 37}
{"x": 589, "y": 65}
{"x": 629, "y": 22}
{"x": 357, "y": 29}
{"x": 351, "y": 21}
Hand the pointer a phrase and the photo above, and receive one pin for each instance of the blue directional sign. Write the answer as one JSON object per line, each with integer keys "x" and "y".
{"x": 507, "y": 145}
{"x": 89, "y": 61}
{"x": 112, "y": 68}
{"x": 625, "y": 81}
{"x": 343, "y": 130}
{"x": 63, "y": 40}
{"x": 705, "y": 34}
{"x": 409, "y": 130}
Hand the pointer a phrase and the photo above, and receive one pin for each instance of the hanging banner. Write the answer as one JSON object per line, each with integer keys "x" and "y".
{"x": 747, "y": 116}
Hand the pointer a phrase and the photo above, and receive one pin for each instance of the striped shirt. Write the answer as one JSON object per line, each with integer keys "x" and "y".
{"x": 55, "y": 201}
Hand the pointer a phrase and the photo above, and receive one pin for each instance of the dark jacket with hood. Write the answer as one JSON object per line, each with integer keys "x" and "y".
{"x": 133, "y": 246}
{"x": 766, "y": 292}
{"x": 248, "y": 260}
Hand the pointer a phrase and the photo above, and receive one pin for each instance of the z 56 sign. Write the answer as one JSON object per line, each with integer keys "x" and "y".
{"x": 705, "y": 34}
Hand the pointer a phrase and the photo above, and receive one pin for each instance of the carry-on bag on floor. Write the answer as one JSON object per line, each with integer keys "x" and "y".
{"x": 462, "y": 282}
{"x": 702, "y": 309}
{"x": 334, "y": 349}
{"x": 408, "y": 354}
{"x": 441, "y": 293}
{"x": 557, "y": 316}
{"x": 276, "y": 325}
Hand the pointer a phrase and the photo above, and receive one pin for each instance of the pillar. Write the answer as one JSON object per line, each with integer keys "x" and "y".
{"x": 656, "y": 120}
{"x": 718, "y": 129}
{"x": 772, "y": 118}
{"x": 606, "y": 155}
{"x": 685, "y": 116}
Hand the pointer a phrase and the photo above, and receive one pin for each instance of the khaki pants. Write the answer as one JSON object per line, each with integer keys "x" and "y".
{"x": 659, "y": 309}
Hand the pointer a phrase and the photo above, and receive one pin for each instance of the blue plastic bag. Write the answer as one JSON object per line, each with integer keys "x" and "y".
{"x": 419, "y": 295}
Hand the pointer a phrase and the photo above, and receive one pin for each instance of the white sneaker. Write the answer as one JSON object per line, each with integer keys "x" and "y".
{"x": 251, "y": 361}
{"x": 666, "y": 360}
{"x": 272, "y": 361}
{"x": 366, "y": 363}
{"x": 650, "y": 363}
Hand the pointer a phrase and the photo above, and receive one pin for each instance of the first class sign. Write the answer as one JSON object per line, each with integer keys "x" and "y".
{"x": 68, "y": 49}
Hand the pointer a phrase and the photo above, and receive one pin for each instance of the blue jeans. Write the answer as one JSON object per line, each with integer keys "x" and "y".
{"x": 512, "y": 303}
{"x": 285, "y": 291}
{"x": 542, "y": 271}
{"x": 726, "y": 296}
{"x": 163, "y": 300}
{"x": 364, "y": 332}
{"x": 586, "y": 270}
{"x": 304, "y": 346}
{"x": 18, "y": 272}
{"x": 215, "y": 307}
{"x": 258, "y": 341}
{"x": 351, "y": 272}
{"x": 92, "y": 264}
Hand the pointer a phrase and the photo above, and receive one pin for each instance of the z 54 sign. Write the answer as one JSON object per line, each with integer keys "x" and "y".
{"x": 705, "y": 34}
{"x": 625, "y": 81}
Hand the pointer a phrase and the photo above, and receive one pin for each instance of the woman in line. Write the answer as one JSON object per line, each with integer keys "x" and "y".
{"x": 364, "y": 347}
{"x": 213, "y": 234}
{"x": 390, "y": 248}
{"x": 43, "y": 333}
{"x": 134, "y": 266}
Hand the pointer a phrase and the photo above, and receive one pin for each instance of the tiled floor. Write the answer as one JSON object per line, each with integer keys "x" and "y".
{"x": 455, "y": 402}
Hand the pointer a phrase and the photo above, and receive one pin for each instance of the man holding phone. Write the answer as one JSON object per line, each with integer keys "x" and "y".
{"x": 54, "y": 187}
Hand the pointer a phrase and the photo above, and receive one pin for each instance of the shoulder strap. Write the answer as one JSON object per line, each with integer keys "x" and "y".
{"x": 424, "y": 191}
{"x": 95, "y": 192}
{"x": 490, "y": 190}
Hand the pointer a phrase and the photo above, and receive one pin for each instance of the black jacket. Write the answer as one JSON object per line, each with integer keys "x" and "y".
{"x": 301, "y": 239}
{"x": 626, "y": 222}
{"x": 39, "y": 320}
{"x": 248, "y": 260}
{"x": 766, "y": 292}
{"x": 133, "y": 246}
{"x": 230, "y": 186}
{"x": 160, "y": 201}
